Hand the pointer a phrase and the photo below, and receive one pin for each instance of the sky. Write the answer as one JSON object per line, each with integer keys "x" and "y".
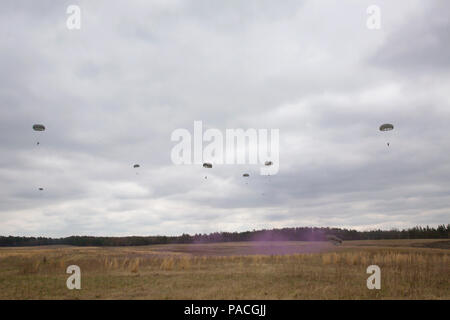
{"x": 112, "y": 92}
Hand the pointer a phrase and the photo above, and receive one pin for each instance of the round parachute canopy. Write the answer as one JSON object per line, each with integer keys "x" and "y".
{"x": 136, "y": 166}
{"x": 41, "y": 189}
{"x": 268, "y": 163}
{"x": 386, "y": 127}
{"x": 38, "y": 127}
{"x": 207, "y": 165}
{"x": 246, "y": 175}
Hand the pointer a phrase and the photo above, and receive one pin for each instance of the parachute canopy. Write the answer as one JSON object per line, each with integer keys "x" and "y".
{"x": 268, "y": 163}
{"x": 386, "y": 127}
{"x": 246, "y": 175}
{"x": 41, "y": 189}
{"x": 38, "y": 127}
{"x": 136, "y": 166}
{"x": 207, "y": 165}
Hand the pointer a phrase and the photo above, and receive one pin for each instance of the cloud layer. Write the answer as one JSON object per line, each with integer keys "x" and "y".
{"x": 112, "y": 93}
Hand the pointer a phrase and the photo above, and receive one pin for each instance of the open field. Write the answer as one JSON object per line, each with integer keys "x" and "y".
{"x": 410, "y": 269}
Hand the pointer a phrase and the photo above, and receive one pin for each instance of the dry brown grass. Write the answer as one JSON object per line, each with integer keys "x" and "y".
{"x": 151, "y": 273}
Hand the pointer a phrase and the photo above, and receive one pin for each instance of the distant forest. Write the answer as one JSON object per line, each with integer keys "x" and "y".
{"x": 285, "y": 234}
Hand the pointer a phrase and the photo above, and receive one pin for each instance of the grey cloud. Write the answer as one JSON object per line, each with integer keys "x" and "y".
{"x": 421, "y": 45}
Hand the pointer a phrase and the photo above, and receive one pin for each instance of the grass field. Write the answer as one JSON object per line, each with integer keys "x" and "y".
{"x": 410, "y": 269}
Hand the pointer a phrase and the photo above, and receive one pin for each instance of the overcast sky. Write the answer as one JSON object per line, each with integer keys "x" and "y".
{"x": 111, "y": 94}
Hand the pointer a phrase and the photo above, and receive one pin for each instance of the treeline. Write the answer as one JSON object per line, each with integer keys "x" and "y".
{"x": 285, "y": 234}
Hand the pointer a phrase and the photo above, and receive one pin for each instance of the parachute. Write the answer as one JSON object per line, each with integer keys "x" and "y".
{"x": 207, "y": 165}
{"x": 246, "y": 175}
{"x": 268, "y": 164}
{"x": 38, "y": 127}
{"x": 136, "y": 166}
{"x": 386, "y": 127}
{"x": 40, "y": 189}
